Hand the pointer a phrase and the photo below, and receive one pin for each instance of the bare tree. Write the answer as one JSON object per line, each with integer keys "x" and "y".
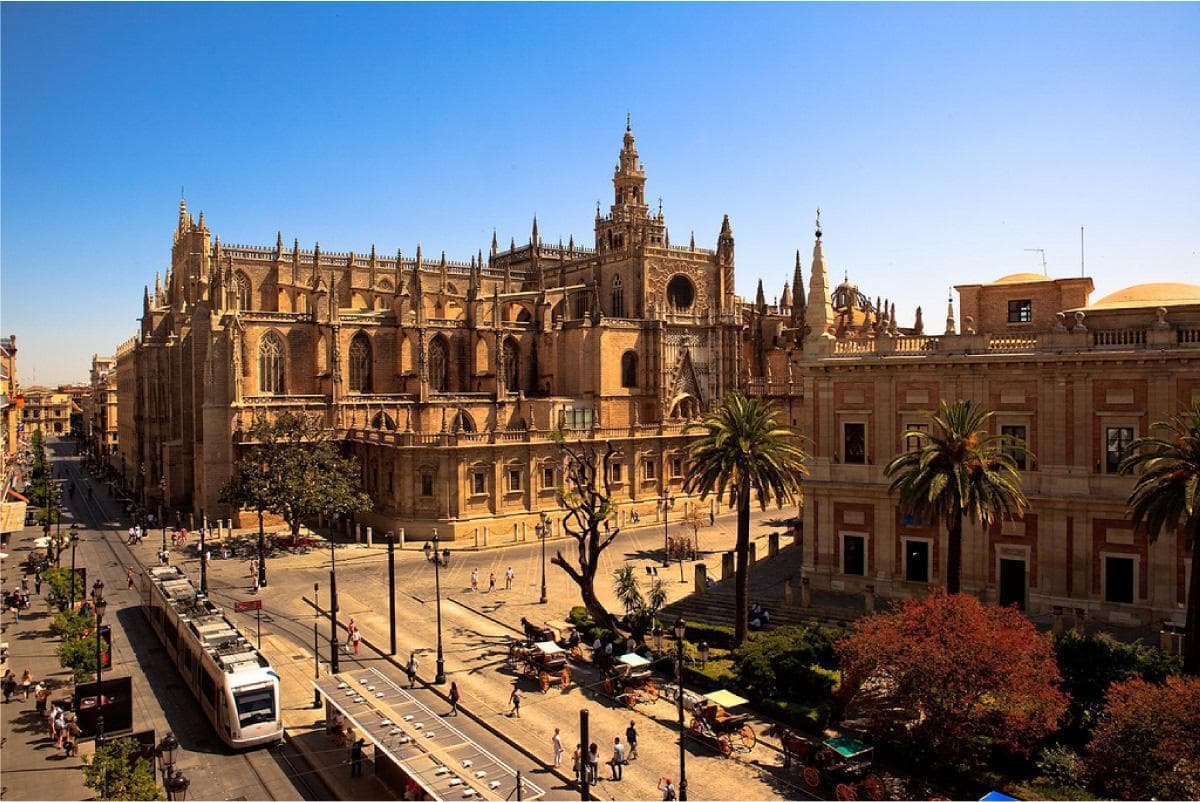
{"x": 586, "y": 496}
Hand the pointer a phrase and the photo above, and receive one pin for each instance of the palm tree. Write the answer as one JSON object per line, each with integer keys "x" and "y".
{"x": 745, "y": 450}
{"x": 959, "y": 471}
{"x": 1167, "y": 496}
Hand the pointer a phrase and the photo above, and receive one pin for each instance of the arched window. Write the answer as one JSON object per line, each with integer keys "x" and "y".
{"x": 680, "y": 293}
{"x": 462, "y": 423}
{"x": 512, "y": 365}
{"x": 360, "y": 364}
{"x": 618, "y": 297}
{"x": 270, "y": 365}
{"x": 629, "y": 371}
{"x": 241, "y": 292}
{"x": 438, "y": 359}
{"x": 384, "y": 421}
{"x": 524, "y": 317}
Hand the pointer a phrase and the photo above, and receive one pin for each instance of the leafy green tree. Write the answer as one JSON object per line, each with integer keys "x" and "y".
{"x": 57, "y": 587}
{"x": 959, "y": 470}
{"x": 590, "y": 519}
{"x": 293, "y": 470}
{"x": 640, "y": 610}
{"x": 792, "y": 664}
{"x": 1166, "y": 497}
{"x": 744, "y": 451}
{"x": 69, "y": 624}
{"x": 118, "y": 771}
{"x": 78, "y": 655}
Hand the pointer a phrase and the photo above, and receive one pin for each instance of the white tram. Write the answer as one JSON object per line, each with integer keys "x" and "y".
{"x": 234, "y": 684}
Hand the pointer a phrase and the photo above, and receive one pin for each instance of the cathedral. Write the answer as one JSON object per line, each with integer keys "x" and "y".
{"x": 446, "y": 378}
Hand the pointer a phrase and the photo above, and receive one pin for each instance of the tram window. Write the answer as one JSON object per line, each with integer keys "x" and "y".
{"x": 254, "y": 707}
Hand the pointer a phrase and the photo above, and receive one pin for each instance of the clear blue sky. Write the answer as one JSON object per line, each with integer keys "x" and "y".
{"x": 939, "y": 140}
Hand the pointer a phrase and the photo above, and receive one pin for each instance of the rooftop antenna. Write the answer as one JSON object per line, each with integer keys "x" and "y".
{"x": 1042, "y": 251}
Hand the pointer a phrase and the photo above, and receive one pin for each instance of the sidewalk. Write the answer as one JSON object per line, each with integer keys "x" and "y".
{"x": 33, "y": 767}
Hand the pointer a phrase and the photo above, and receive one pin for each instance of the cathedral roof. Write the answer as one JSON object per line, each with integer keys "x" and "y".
{"x": 1021, "y": 278}
{"x": 1153, "y": 295}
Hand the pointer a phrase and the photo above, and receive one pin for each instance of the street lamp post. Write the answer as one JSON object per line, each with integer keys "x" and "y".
{"x": 316, "y": 643}
{"x": 680, "y": 629}
{"x": 173, "y": 780}
{"x": 203, "y": 555}
{"x": 439, "y": 559}
{"x": 391, "y": 541}
{"x": 667, "y": 502}
{"x": 101, "y": 605}
{"x": 333, "y": 608}
{"x": 543, "y": 531}
{"x": 162, "y": 519}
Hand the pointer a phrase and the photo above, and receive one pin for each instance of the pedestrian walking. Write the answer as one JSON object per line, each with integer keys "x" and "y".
{"x": 37, "y": 583}
{"x": 41, "y": 694}
{"x": 411, "y": 669}
{"x": 577, "y": 762}
{"x": 491, "y": 581}
{"x": 667, "y": 787}
{"x": 515, "y": 701}
{"x": 556, "y": 743}
{"x": 71, "y": 736}
{"x": 60, "y": 726}
{"x": 618, "y": 758}
{"x": 454, "y": 697}
{"x": 593, "y": 763}
{"x": 475, "y": 580}
{"x": 631, "y": 736}
{"x": 129, "y": 576}
{"x": 508, "y": 578}
{"x": 253, "y": 566}
{"x": 26, "y": 684}
{"x": 355, "y": 639}
{"x": 712, "y": 518}
{"x": 9, "y": 684}
{"x": 356, "y": 758}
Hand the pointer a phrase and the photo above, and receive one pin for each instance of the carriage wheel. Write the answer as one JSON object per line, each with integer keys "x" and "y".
{"x": 544, "y": 681}
{"x": 749, "y": 739}
{"x": 726, "y": 745}
{"x": 695, "y": 726}
{"x": 812, "y": 777}
{"x": 566, "y": 677}
{"x": 652, "y": 690}
{"x": 845, "y": 792}
{"x": 873, "y": 787}
{"x": 608, "y": 686}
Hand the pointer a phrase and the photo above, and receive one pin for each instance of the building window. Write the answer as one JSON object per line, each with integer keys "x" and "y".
{"x": 1020, "y": 311}
{"x": 438, "y": 359}
{"x": 478, "y": 483}
{"x": 629, "y": 369}
{"x": 426, "y": 484}
{"x": 1116, "y": 444}
{"x": 241, "y": 292}
{"x": 270, "y": 365}
{"x": 512, "y": 365}
{"x": 680, "y": 294}
{"x": 618, "y": 297}
{"x": 1015, "y": 433}
{"x": 854, "y": 443}
{"x": 577, "y": 419}
{"x": 548, "y": 481}
{"x": 649, "y": 469}
{"x": 853, "y": 555}
{"x": 615, "y": 472}
{"x": 1118, "y": 579}
{"x": 360, "y": 364}
{"x": 676, "y": 467}
{"x": 914, "y": 442}
{"x": 462, "y": 422}
{"x": 916, "y": 560}
{"x": 581, "y": 305}
{"x": 514, "y": 479}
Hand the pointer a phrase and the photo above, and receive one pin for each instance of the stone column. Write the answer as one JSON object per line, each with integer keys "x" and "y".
{"x": 805, "y": 593}
{"x": 753, "y": 557}
{"x": 370, "y": 536}
{"x": 701, "y": 578}
{"x": 400, "y": 542}
{"x": 358, "y": 533}
{"x": 772, "y": 544}
{"x": 727, "y": 565}
{"x": 789, "y": 597}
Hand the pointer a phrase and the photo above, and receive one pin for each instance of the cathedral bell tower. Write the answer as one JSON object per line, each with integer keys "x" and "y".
{"x": 629, "y": 182}
{"x": 630, "y": 222}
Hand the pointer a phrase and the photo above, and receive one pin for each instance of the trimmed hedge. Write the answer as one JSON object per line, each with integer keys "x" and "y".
{"x": 715, "y": 635}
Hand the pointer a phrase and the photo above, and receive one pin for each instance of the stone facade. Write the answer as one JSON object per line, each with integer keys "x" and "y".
{"x": 11, "y": 404}
{"x": 100, "y": 412}
{"x": 1076, "y": 380}
{"x": 444, "y": 377}
{"x": 48, "y": 411}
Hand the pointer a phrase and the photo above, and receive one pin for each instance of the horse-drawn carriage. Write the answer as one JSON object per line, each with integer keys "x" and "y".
{"x": 630, "y": 680}
{"x": 713, "y": 724}
{"x": 545, "y": 662}
{"x": 559, "y": 632}
{"x": 842, "y": 764}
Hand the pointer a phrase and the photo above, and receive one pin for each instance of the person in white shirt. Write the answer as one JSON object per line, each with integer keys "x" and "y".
{"x": 556, "y": 742}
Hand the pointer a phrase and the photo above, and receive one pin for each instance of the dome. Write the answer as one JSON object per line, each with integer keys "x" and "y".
{"x": 1021, "y": 278}
{"x": 1158, "y": 294}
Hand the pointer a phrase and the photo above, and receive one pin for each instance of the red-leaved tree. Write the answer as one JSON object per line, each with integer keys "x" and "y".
{"x": 1147, "y": 744}
{"x": 952, "y": 680}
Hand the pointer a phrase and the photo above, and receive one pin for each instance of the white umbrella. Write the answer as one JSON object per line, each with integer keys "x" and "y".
{"x": 3, "y": 555}
{"x": 41, "y": 543}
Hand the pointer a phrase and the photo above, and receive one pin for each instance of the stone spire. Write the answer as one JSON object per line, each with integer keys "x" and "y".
{"x": 495, "y": 245}
{"x": 786, "y": 298}
{"x": 892, "y": 318}
{"x": 145, "y": 300}
{"x": 533, "y": 237}
{"x": 760, "y": 301}
{"x": 183, "y": 213}
{"x": 158, "y": 290}
{"x": 950, "y": 315}
{"x": 918, "y": 323}
{"x": 278, "y": 244}
{"x": 818, "y": 314}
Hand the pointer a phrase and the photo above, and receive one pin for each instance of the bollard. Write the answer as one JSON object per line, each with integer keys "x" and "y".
{"x": 477, "y": 537}
{"x": 701, "y": 577}
{"x": 727, "y": 565}
{"x": 349, "y": 527}
{"x": 401, "y": 541}
{"x": 753, "y": 554}
{"x": 370, "y": 536}
{"x": 1056, "y": 625}
{"x": 805, "y": 593}
{"x": 869, "y": 599}
{"x": 1079, "y": 614}
{"x": 485, "y": 537}
{"x": 524, "y": 532}
{"x": 772, "y": 544}
{"x": 358, "y": 533}
{"x": 514, "y": 531}
{"x": 789, "y": 597}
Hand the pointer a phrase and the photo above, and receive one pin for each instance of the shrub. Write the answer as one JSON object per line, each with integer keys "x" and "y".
{"x": 1062, "y": 766}
{"x": 810, "y": 718}
{"x": 79, "y": 656}
{"x": 713, "y": 634}
{"x": 786, "y": 664}
{"x": 1145, "y": 745}
{"x": 118, "y": 771}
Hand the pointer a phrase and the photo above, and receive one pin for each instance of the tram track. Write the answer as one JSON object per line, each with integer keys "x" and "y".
{"x": 99, "y": 520}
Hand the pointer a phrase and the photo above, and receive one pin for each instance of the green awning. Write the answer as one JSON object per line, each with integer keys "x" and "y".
{"x": 847, "y": 747}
